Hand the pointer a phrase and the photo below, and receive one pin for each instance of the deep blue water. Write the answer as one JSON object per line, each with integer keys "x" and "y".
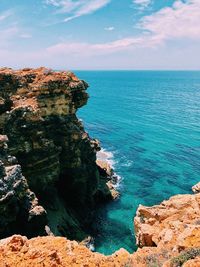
{"x": 150, "y": 121}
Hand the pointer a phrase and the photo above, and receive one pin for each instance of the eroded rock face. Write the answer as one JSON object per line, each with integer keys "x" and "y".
{"x": 19, "y": 209}
{"x": 55, "y": 251}
{"x": 58, "y": 251}
{"x": 174, "y": 223}
{"x": 58, "y": 158}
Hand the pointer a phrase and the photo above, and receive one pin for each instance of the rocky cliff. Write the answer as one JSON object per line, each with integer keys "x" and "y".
{"x": 47, "y": 156}
{"x": 51, "y": 182}
{"x": 19, "y": 207}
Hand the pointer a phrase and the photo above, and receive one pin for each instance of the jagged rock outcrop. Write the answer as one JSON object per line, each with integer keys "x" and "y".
{"x": 171, "y": 228}
{"x": 196, "y": 188}
{"x": 107, "y": 173}
{"x": 174, "y": 223}
{"x": 58, "y": 251}
{"x": 55, "y": 251}
{"x": 57, "y": 157}
{"x": 19, "y": 209}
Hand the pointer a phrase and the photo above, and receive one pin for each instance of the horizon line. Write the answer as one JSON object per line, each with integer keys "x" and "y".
{"x": 189, "y": 70}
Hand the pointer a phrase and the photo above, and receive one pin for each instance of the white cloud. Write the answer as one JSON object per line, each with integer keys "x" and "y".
{"x": 176, "y": 22}
{"x": 110, "y": 28}
{"x": 5, "y": 15}
{"x": 7, "y": 34}
{"x": 87, "y": 49}
{"x": 142, "y": 3}
{"x": 76, "y": 8}
{"x": 26, "y": 35}
{"x": 182, "y": 20}
{"x": 10, "y": 30}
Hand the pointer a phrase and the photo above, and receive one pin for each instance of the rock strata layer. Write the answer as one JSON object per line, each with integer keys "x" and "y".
{"x": 19, "y": 209}
{"x": 53, "y": 151}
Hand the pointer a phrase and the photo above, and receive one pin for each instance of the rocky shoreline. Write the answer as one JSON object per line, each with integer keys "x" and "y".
{"x": 51, "y": 183}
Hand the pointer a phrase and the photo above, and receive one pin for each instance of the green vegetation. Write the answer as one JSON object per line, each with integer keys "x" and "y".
{"x": 152, "y": 260}
{"x": 185, "y": 256}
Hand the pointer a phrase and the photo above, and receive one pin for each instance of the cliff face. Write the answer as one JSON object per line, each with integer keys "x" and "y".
{"x": 19, "y": 207}
{"x": 57, "y": 157}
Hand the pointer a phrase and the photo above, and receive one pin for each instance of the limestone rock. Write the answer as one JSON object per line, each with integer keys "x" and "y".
{"x": 57, "y": 157}
{"x": 107, "y": 174}
{"x": 58, "y": 251}
{"x": 19, "y": 209}
{"x": 174, "y": 223}
{"x": 196, "y": 188}
{"x": 192, "y": 263}
{"x": 55, "y": 251}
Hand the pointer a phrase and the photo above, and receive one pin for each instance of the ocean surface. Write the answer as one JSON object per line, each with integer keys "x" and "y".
{"x": 149, "y": 122}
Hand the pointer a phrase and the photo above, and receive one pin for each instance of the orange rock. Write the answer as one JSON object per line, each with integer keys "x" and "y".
{"x": 192, "y": 263}
{"x": 174, "y": 223}
{"x": 55, "y": 251}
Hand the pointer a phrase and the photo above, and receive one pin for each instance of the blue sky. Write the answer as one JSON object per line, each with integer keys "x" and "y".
{"x": 100, "y": 34}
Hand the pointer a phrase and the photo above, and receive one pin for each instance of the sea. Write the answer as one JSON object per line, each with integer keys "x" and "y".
{"x": 148, "y": 123}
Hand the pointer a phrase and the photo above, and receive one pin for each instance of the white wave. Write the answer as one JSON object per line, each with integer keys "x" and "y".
{"x": 105, "y": 155}
{"x": 127, "y": 163}
{"x": 108, "y": 156}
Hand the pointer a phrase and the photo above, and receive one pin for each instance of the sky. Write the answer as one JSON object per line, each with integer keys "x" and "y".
{"x": 100, "y": 34}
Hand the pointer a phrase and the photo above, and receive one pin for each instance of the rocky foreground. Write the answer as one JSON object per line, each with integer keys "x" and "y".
{"x": 51, "y": 183}
{"x": 168, "y": 234}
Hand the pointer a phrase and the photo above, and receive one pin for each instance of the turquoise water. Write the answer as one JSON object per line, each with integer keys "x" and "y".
{"x": 150, "y": 121}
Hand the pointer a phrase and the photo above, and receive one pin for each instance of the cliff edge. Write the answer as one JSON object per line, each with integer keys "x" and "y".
{"x": 45, "y": 148}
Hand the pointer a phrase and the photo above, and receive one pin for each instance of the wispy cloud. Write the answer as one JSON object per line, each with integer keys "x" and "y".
{"x": 25, "y": 35}
{"x": 179, "y": 21}
{"x": 10, "y": 29}
{"x": 176, "y": 22}
{"x": 74, "y": 9}
{"x": 87, "y": 49}
{"x": 110, "y": 28}
{"x": 6, "y": 35}
{"x": 5, "y": 15}
{"x": 142, "y": 4}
